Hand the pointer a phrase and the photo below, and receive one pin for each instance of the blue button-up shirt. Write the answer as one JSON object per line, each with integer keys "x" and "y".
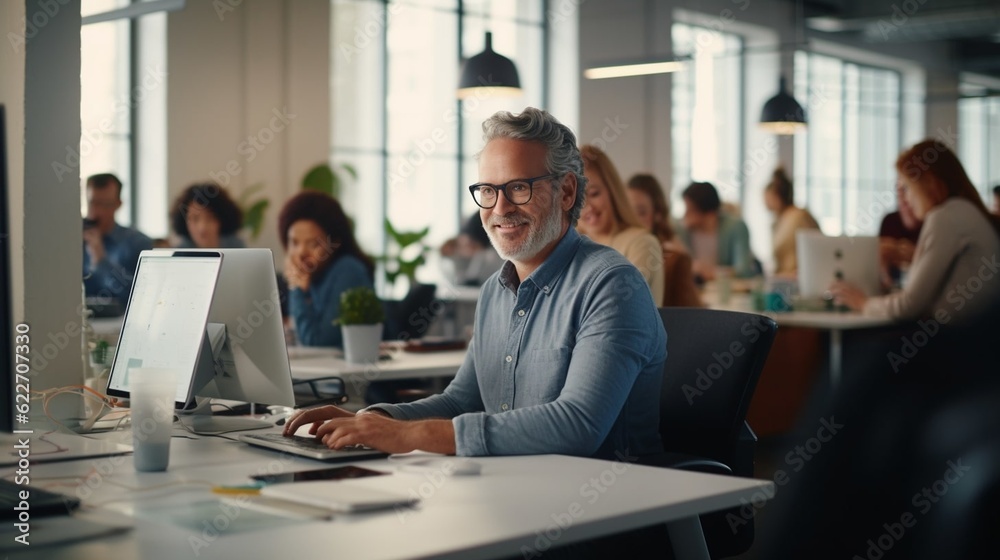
{"x": 315, "y": 310}
{"x": 112, "y": 277}
{"x": 570, "y": 361}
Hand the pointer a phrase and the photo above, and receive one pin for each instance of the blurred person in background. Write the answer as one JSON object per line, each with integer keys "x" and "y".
{"x": 954, "y": 270}
{"x": 897, "y": 240}
{"x": 110, "y": 250}
{"x": 650, "y": 206}
{"x": 471, "y": 254}
{"x": 779, "y": 198}
{"x": 715, "y": 238}
{"x": 204, "y": 216}
{"x": 608, "y": 219}
{"x": 322, "y": 260}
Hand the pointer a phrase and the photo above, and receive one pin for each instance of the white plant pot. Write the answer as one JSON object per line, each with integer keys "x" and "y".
{"x": 361, "y": 343}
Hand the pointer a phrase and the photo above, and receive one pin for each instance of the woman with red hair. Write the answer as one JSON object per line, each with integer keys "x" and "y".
{"x": 954, "y": 269}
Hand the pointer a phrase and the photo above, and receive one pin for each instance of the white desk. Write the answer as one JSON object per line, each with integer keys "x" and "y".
{"x": 512, "y": 507}
{"x": 834, "y": 322}
{"x": 318, "y": 364}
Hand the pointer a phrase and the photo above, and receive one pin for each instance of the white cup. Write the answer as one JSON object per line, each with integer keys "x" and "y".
{"x": 151, "y": 399}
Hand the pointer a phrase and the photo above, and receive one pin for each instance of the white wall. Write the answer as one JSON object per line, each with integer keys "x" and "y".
{"x": 248, "y": 98}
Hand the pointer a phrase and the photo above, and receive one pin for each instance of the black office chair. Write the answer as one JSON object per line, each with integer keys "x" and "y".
{"x": 411, "y": 317}
{"x": 406, "y": 319}
{"x": 714, "y": 359}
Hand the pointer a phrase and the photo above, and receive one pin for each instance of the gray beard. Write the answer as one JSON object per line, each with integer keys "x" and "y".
{"x": 539, "y": 236}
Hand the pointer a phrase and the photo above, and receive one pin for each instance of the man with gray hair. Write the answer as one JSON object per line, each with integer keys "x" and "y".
{"x": 568, "y": 348}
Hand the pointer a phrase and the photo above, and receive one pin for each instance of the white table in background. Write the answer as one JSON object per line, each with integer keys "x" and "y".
{"x": 317, "y": 363}
{"x": 516, "y": 504}
{"x": 835, "y": 322}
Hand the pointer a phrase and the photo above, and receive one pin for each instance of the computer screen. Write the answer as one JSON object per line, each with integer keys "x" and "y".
{"x": 213, "y": 315}
{"x": 166, "y": 318}
{"x": 824, "y": 260}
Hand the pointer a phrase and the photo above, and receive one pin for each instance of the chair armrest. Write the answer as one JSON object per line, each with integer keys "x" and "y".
{"x": 685, "y": 462}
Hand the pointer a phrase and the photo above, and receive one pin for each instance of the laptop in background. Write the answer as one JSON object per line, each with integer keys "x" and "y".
{"x": 823, "y": 260}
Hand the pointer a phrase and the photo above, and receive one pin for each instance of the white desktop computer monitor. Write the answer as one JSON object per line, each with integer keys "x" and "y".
{"x": 823, "y": 260}
{"x": 213, "y": 316}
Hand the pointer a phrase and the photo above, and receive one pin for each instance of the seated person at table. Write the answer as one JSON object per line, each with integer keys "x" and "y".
{"x": 779, "y": 197}
{"x": 954, "y": 270}
{"x": 205, "y": 217}
{"x": 650, "y": 205}
{"x": 568, "y": 349}
{"x": 110, "y": 251}
{"x": 897, "y": 239}
{"x": 608, "y": 219}
{"x": 472, "y": 256}
{"x": 322, "y": 260}
{"x": 716, "y": 238}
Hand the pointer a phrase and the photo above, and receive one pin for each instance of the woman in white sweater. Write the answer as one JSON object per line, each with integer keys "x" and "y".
{"x": 955, "y": 265}
{"x": 608, "y": 219}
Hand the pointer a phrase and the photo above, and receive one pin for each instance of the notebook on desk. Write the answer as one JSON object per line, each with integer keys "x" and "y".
{"x": 310, "y": 447}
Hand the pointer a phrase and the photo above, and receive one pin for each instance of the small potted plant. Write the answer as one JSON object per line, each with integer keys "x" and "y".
{"x": 360, "y": 321}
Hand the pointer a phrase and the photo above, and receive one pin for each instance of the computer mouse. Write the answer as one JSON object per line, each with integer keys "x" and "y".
{"x": 450, "y": 466}
{"x": 460, "y": 466}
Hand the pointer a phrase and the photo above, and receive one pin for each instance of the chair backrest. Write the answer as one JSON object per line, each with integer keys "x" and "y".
{"x": 714, "y": 359}
{"x": 411, "y": 317}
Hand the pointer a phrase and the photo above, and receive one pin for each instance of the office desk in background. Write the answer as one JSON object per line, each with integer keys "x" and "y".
{"x": 833, "y": 322}
{"x": 316, "y": 364}
{"x": 517, "y": 504}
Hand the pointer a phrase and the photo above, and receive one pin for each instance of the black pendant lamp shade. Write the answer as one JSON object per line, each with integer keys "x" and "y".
{"x": 782, "y": 114}
{"x": 489, "y": 69}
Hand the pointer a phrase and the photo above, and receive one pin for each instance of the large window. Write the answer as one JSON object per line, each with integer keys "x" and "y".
{"x": 105, "y": 115}
{"x": 846, "y": 159}
{"x": 396, "y": 118}
{"x": 979, "y": 142}
{"x": 706, "y": 116}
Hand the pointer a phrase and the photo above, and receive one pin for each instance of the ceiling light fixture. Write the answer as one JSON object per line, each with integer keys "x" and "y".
{"x": 782, "y": 114}
{"x": 490, "y": 70}
{"x": 635, "y": 69}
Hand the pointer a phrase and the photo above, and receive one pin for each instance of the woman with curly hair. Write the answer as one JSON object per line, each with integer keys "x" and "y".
{"x": 322, "y": 260}
{"x": 205, "y": 217}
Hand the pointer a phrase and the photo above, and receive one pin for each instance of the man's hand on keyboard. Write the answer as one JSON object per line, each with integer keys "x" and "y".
{"x": 338, "y": 429}
{"x": 315, "y": 416}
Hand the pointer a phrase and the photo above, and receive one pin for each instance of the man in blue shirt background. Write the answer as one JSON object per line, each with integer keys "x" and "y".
{"x": 568, "y": 347}
{"x": 111, "y": 251}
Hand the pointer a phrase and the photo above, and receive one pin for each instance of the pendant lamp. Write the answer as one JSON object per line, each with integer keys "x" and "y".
{"x": 489, "y": 69}
{"x": 782, "y": 114}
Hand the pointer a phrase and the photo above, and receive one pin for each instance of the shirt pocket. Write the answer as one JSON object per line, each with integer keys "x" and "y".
{"x": 548, "y": 368}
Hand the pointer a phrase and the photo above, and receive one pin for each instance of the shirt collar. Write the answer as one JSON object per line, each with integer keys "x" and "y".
{"x": 546, "y": 275}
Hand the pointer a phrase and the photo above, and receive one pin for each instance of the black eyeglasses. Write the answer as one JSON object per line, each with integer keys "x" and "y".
{"x": 517, "y": 191}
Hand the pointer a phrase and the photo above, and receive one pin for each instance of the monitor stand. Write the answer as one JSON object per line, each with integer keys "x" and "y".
{"x": 216, "y": 360}
{"x": 201, "y": 421}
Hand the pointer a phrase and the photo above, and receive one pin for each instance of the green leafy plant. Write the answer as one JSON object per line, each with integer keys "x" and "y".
{"x": 408, "y": 253}
{"x": 360, "y": 306}
{"x": 253, "y": 209}
{"x": 99, "y": 353}
{"x": 321, "y": 177}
